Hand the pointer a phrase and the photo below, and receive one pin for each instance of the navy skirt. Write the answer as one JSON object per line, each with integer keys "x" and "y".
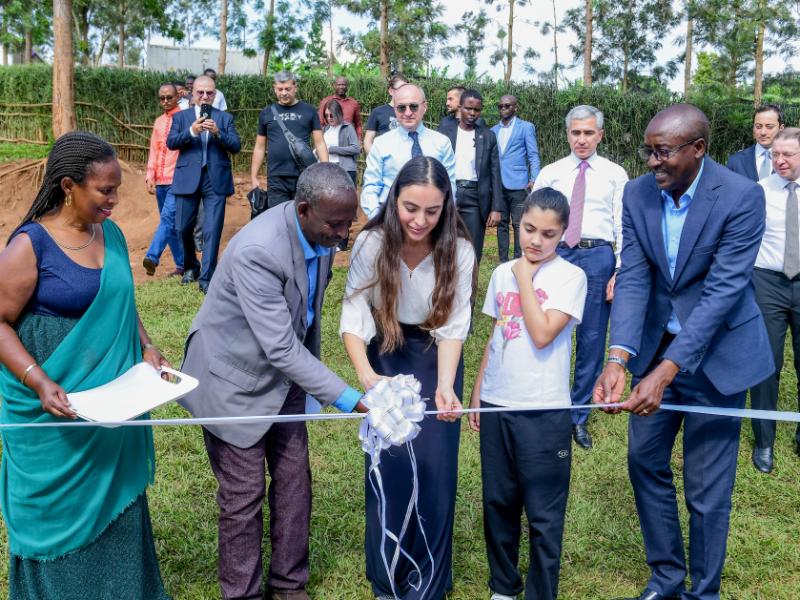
{"x": 436, "y": 451}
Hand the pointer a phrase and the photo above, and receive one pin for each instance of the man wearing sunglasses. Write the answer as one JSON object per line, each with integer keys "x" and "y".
{"x": 395, "y": 148}
{"x": 160, "y": 170}
{"x": 202, "y": 174}
{"x": 686, "y": 324}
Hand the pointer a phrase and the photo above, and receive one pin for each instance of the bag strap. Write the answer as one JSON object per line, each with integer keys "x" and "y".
{"x": 282, "y": 125}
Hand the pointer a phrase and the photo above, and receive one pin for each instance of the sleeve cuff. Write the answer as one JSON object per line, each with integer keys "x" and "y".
{"x": 348, "y": 400}
{"x": 627, "y": 349}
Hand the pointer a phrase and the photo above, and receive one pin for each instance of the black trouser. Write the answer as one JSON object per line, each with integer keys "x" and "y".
{"x": 512, "y": 212}
{"x": 779, "y": 300}
{"x": 525, "y": 463}
{"x": 280, "y": 189}
{"x": 469, "y": 207}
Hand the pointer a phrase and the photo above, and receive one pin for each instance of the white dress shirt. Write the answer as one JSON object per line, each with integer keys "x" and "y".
{"x": 390, "y": 152}
{"x": 773, "y": 244}
{"x": 219, "y": 101}
{"x": 414, "y": 297}
{"x": 602, "y": 208}
{"x": 760, "y": 153}
{"x": 465, "y": 155}
{"x": 505, "y": 134}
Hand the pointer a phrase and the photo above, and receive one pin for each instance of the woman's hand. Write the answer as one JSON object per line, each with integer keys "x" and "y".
{"x": 368, "y": 379}
{"x": 475, "y": 418}
{"x": 53, "y": 397}
{"x": 153, "y": 356}
{"x": 448, "y": 403}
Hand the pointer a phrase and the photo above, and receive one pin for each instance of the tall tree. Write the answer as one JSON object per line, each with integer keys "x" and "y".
{"x": 25, "y": 24}
{"x": 508, "y": 62}
{"x": 223, "y": 36}
{"x": 587, "y": 43}
{"x": 416, "y": 33}
{"x": 687, "y": 56}
{"x": 473, "y": 26}
{"x": 63, "y": 69}
{"x": 546, "y": 28}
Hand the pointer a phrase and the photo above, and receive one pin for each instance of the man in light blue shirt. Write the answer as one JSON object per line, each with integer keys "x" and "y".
{"x": 394, "y": 149}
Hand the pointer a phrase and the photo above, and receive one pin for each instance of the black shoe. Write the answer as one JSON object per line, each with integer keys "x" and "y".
{"x": 149, "y": 266}
{"x": 797, "y": 448}
{"x": 651, "y": 595}
{"x": 762, "y": 459}
{"x": 189, "y": 276}
{"x": 581, "y": 436}
{"x": 203, "y": 288}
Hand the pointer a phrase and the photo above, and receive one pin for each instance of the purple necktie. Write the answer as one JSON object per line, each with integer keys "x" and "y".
{"x": 573, "y": 233}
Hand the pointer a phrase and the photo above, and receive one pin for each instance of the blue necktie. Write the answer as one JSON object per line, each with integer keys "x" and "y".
{"x": 204, "y": 141}
{"x": 416, "y": 149}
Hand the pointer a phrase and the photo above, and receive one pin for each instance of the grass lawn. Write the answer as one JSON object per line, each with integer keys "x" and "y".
{"x": 9, "y": 152}
{"x": 603, "y": 553}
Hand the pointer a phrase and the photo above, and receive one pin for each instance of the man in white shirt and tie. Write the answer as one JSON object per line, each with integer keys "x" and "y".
{"x": 592, "y": 241}
{"x": 777, "y": 282}
{"x": 755, "y": 161}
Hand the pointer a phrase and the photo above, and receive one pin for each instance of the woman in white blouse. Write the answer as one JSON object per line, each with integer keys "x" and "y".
{"x": 407, "y": 309}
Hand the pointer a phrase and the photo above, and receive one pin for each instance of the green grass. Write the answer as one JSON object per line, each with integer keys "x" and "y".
{"x": 10, "y": 152}
{"x": 603, "y": 553}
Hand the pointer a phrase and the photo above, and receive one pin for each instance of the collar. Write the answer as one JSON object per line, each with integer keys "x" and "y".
{"x": 576, "y": 161}
{"x": 510, "y": 123}
{"x": 689, "y": 193}
{"x": 760, "y": 150}
{"x": 173, "y": 111}
{"x": 404, "y": 132}
{"x": 308, "y": 252}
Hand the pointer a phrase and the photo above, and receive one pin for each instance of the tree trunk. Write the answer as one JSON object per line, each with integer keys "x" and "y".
{"x": 587, "y": 46}
{"x": 268, "y": 46}
{"x": 4, "y": 30}
{"x": 384, "y": 28}
{"x": 759, "y": 73}
{"x": 555, "y": 47}
{"x": 121, "y": 39}
{"x": 626, "y": 55}
{"x": 81, "y": 17}
{"x": 223, "y": 36}
{"x": 63, "y": 69}
{"x": 332, "y": 54}
{"x": 510, "y": 48}
{"x": 687, "y": 72}
{"x": 28, "y": 51}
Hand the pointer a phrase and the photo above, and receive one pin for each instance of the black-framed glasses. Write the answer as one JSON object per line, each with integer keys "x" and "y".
{"x": 662, "y": 154}
{"x": 502, "y": 105}
{"x": 165, "y": 98}
{"x": 401, "y": 108}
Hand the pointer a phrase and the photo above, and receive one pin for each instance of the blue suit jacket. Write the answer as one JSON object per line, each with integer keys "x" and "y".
{"x": 519, "y": 164}
{"x": 187, "y": 169}
{"x": 744, "y": 163}
{"x": 722, "y": 330}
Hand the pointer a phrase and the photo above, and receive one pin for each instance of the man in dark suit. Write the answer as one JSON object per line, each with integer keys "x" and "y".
{"x": 202, "y": 174}
{"x": 685, "y": 322}
{"x": 755, "y": 162}
{"x": 478, "y": 185}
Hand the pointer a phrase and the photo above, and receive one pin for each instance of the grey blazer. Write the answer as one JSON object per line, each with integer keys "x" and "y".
{"x": 349, "y": 147}
{"x": 249, "y": 341}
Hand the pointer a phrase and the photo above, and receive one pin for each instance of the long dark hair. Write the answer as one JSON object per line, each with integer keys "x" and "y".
{"x": 72, "y": 155}
{"x": 336, "y": 110}
{"x": 421, "y": 170}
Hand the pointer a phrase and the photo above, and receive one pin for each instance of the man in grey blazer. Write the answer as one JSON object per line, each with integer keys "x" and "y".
{"x": 254, "y": 346}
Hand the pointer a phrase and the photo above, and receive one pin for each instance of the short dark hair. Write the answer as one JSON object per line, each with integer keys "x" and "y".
{"x": 177, "y": 83}
{"x": 470, "y": 93}
{"x": 169, "y": 84}
{"x": 767, "y": 108}
{"x": 548, "y": 198}
{"x": 460, "y": 88}
{"x": 397, "y": 77}
{"x": 210, "y": 72}
{"x": 322, "y": 180}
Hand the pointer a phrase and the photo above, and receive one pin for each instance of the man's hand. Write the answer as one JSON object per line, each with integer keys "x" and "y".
{"x": 646, "y": 397}
{"x": 610, "y": 288}
{"x": 211, "y": 126}
{"x": 475, "y": 418}
{"x": 530, "y": 186}
{"x": 609, "y": 386}
{"x": 151, "y": 186}
{"x": 197, "y": 126}
{"x": 255, "y": 184}
{"x": 494, "y": 218}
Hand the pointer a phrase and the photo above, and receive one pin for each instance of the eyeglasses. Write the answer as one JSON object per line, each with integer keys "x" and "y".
{"x": 328, "y": 116}
{"x": 401, "y": 108}
{"x": 163, "y": 98}
{"x": 203, "y": 93}
{"x": 504, "y": 105}
{"x": 787, "y": 155}
{"x": 662, "y": 154}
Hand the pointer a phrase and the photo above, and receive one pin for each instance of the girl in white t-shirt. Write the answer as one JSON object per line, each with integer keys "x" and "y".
{"x": 535, "y": 302}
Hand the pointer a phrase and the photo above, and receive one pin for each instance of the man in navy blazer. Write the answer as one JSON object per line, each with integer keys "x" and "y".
{"x": 202, "y": 173}
{"x": 755, "y": 162}
{"x": 519, "y": 167}
{"x": 685, "y": 322}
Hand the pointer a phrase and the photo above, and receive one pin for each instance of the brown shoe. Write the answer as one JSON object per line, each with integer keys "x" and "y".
{"x": 288, "y": 595}
{"x": 149, "y": 266}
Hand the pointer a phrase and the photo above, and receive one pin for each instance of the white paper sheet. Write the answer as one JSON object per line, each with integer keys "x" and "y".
{"x": 132, "y": 394}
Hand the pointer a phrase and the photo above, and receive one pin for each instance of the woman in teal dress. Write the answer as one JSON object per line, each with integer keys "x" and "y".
{"x": 73, "y": 499}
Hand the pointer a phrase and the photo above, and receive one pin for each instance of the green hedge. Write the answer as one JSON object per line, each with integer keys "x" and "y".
{"x": 123, "y": 105}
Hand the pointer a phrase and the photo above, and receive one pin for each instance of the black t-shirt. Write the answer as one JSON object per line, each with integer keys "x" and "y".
{"x": 381, "y": 120}
{"x": 300, "y": 119}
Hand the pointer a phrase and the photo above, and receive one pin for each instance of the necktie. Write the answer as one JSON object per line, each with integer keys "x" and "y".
{"x": 791, "y": 253}
{"x": 204, "y": 141}
{"x": 573, "y": 233}
{"x": 416, "y": 149}
{"x": 766, "y": 165}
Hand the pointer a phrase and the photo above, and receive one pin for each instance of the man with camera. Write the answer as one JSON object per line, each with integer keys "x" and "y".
{"x": 205, "y": 137}
{"x": 285, "y": 127}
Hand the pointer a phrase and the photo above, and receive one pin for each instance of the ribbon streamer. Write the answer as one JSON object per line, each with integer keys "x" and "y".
{"x": 395, "y": 409}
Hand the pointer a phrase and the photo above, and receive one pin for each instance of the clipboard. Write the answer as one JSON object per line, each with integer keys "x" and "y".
{"x": 135, "y": 392}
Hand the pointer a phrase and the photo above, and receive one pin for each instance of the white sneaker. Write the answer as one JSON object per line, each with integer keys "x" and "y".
{"x": 496, "y": 596}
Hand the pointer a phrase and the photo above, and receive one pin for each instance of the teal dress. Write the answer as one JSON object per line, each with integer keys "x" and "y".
{"x": 74, "y": 500}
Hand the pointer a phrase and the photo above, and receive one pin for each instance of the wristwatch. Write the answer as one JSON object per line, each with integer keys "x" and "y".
{"x": 618, "y": 360}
